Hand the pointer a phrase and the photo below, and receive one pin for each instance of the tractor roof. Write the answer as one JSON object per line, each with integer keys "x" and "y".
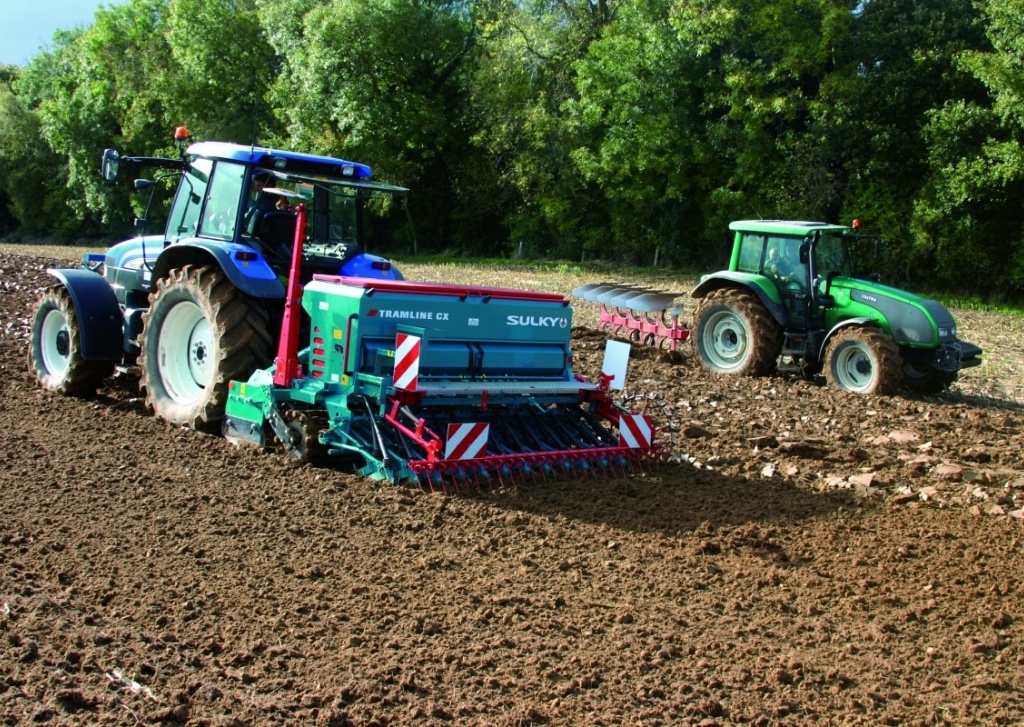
{"x": 786, "y": 227}
{"x": 279, "y": 160}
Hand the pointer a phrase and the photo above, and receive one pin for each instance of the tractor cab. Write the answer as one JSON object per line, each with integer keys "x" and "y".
{"x": 234, "y": 207}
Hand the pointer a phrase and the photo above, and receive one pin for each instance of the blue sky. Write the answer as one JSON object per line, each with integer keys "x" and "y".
{"x": 27, "y": 26}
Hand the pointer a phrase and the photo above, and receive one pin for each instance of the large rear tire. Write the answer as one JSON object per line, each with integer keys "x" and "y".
{"x": 925, "y": 378}
{"x": 55, "y": 349}
{"x": 200, "y": 333}
{"x": 864, "y": 361}
{"x": 735, "y": 334}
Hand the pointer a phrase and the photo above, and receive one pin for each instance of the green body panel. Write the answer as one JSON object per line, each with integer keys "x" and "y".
{"x": 482, "y": 336}
{"x": 761, "y": 285}
{"x": 910, "y": 319}
{"x": 786, "y": 227}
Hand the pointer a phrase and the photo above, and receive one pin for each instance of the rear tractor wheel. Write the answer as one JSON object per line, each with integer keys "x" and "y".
{"x": 865, "y": 361}
{"x": 200, "y": 333}
{"x": 735, "y": 334}
{"x": 55, "y": 349}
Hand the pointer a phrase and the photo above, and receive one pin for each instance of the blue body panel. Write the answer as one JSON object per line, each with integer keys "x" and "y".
{"x": 256, "y": 154}
{"x": 361, "y": 266}
{"x": 129, "y": 254}
{"x": 244, "y": 266}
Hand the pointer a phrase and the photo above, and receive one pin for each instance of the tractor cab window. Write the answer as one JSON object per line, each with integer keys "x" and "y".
{"x": 832, "y": 256}
{"x": 750, "y": 253}
{"x": 225, "y": 191}
{"x": 782, "y": 263}
{"x": 342, "y": 218}
{"x": 271, "y": 216}
{"x": 183, "y": 220}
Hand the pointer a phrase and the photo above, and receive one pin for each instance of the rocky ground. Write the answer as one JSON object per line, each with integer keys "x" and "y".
{"x": 810, "y": 558}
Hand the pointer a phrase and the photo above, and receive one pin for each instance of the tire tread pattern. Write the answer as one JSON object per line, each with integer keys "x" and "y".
{"x": 887, "y": 355}
{"x": 240, "y": 326}
{"x": 765, "y": 332}
{"x": 82, "y": 377}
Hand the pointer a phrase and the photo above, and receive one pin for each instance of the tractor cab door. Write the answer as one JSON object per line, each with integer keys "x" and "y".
{"x": 783, "y": 265}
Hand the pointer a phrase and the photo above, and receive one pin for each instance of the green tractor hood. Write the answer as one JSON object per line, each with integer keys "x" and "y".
{"x": 912, "y": 320}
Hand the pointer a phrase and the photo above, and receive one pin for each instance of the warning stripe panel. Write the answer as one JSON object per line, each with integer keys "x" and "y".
{"x": 636, "y": 431}
{"x": 467, "y": 441}
{"x": 407, "y": 361}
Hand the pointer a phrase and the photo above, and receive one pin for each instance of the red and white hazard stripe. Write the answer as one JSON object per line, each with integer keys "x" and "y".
{"x": 467, "y": 441}
{"x": 636, "y": 431}
{"x": 407, "y": 361}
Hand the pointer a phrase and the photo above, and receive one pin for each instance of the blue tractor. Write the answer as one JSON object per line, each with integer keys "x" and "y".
{"x": 193, "y": 308}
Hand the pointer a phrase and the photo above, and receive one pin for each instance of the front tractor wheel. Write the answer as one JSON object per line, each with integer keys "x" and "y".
{"x": 200, "y": 333}
{"x": 865, "y": 361}
{"x": 735, "y": 334}
{"x": 924, "y": 378}
{"x": 55, "y": 349}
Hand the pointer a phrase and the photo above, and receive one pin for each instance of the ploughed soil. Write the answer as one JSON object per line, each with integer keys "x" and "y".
{"x": 809, "y": 557}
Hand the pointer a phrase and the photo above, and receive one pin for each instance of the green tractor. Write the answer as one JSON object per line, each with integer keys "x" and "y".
{"x": 792, "y": 300}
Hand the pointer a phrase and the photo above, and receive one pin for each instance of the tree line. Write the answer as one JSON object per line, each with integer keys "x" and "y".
{"x": 628, "y": 130}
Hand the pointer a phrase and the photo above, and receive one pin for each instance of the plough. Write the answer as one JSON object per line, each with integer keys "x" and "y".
{"x": 447, "y": 386}
{"x": 643, "y": 315}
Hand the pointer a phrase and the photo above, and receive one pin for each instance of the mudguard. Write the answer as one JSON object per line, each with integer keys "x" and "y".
{"x": 99, "y": 315}
{"x": 363, "y": 266}
{"x": 243, "y": 265}
{"x": 766, "y": 292}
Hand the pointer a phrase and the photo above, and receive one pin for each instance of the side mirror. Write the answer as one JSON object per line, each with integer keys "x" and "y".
{"x": 805, "y": 253}
{"x": 111, "y": 162}
{"x": 142, "y": 184}
{"x": 141, "y": 223}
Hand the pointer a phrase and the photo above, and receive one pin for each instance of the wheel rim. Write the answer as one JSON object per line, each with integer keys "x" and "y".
{"x": 55, "y": 343}
{"x": 853, "y": 368}
{"x": 185, "y": 353}
{"x": 726, "y": 340}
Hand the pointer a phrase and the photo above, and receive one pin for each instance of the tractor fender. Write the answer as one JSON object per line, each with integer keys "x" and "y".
{"x": 99, "y": 315}
{"x": 365, "y": 265}
{"x": 770, "y": 297}
{"x": 251, "y": 275}
{"x": 862, "y": 322}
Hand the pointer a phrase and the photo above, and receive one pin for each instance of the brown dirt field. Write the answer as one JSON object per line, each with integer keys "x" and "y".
{"x": 815, "y": 558}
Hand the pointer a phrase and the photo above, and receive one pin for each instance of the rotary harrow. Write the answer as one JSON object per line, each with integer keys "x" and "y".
{"x": 643, "y": 315}
{"x": 447, "y": 386}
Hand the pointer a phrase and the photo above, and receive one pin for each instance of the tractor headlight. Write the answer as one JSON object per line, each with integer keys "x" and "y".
{"x": 947, "y": 332}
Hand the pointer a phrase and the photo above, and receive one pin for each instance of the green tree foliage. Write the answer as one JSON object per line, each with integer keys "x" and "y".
{"x": 627, "y": 129}
{"x": 524, "y": 78}
{"x": 37, "y": 169}
{"x": 223, "y": 65}
{"x": 378, "y": 80}
{"x": 970, "y": 214}
{"x": 637, "y": 133}
{"x": 903, "y": 66}
{"x": 27, "y": 167}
